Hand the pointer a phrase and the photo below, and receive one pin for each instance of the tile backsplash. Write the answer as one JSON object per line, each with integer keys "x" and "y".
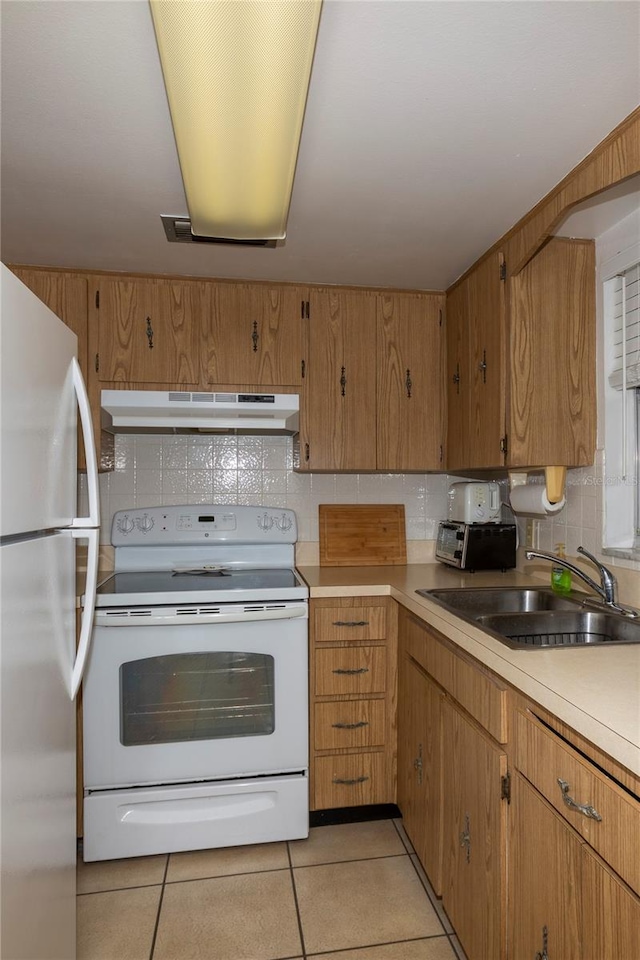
{"x": 153, "y": 470}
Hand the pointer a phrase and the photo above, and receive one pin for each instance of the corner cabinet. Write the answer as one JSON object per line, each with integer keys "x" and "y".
{"x": 520, "y": 377}
{"x": 353, "y": 702}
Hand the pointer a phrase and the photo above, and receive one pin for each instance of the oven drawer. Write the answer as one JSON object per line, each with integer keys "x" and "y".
{"x": 350, "y": 781}
{"x": 350, "y": 623}
{"x": 349, "y": 723}
{"x": 350, "y": 670}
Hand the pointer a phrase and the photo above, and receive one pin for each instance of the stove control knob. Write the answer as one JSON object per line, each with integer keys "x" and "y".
{"x": 144, "y": 523}
{"x": 125, "y": 524}
{"x": 265, "y": 522}
{"x": 284, "y": 523}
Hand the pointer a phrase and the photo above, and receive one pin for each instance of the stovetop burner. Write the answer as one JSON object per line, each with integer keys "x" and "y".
{"x": 201, "y": 573}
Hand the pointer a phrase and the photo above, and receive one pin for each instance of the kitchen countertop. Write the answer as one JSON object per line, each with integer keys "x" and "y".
{"x": 596, "y": 690}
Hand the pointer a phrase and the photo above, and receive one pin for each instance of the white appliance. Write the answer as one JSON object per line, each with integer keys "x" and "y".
{"x": 41, "y": 388}
{"x": 196, "y": 694}
{"x": 168, "y": 412}
{"x": 475, "y": 502}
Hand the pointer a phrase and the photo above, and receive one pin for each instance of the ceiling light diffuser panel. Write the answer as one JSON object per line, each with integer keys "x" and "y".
{"x": 237, "y": 74}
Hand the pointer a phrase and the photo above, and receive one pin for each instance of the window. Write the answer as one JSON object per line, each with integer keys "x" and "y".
{"x": 621, "y": 307}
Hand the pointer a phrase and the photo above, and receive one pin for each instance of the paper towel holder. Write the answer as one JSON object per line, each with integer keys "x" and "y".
{"x": 555, "y": 480}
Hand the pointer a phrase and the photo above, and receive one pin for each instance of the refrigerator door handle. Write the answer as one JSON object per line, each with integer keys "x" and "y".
{"x": 86, "y": 628}
{"x": 93, "y": 520}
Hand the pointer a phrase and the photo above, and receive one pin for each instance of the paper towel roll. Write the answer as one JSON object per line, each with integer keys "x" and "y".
{"x": 531, "y": 498}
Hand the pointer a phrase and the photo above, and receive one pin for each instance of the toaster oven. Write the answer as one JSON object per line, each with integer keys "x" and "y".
{"x": 477, "y": 546}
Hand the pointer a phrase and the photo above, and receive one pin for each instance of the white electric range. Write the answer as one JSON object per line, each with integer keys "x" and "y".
{"x": 196, "y": 692}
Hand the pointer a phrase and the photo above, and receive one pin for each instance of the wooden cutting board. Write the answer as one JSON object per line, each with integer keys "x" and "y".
{"x": 356, "y": 535}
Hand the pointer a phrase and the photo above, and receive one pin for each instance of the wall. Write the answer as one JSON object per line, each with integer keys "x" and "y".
{"x": 154, "y": 470}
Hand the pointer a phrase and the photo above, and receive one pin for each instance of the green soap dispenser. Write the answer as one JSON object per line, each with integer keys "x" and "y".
{"x": 560, "y": 576}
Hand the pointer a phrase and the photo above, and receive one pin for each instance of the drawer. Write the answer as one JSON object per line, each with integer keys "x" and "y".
{"x": 349, "y": 723}
{"x": 350, "y": 781}
{"x": 350, "y": 623}
{"x": 344, "y": 670}
{"x": 544, "y": 759}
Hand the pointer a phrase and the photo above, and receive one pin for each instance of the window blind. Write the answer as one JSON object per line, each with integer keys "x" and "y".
{"x": 626, "y": 330}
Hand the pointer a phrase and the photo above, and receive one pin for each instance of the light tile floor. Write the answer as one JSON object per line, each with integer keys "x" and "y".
{"x": 350, "y": 892}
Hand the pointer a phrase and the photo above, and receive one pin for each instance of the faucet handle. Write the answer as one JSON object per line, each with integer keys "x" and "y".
{"x": 607, "y": 578}
{"x": 590, "y": 556}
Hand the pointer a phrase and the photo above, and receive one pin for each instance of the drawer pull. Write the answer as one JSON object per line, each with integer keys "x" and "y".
{"x": 350, "y": 623}
{"x": 350, "y": 726}
{"x": 583, "y": 808}
{"x": 350, "y": 783}
{"x": 351, "y": 673}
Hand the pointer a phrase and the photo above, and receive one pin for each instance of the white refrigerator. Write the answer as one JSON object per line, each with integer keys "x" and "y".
{"x": 41, "y": 392}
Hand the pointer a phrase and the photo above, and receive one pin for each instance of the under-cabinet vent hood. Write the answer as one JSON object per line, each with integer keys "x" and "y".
{"x": 153, "y": 411}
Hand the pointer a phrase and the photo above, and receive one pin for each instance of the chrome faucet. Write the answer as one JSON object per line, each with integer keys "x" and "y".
{"x": 606, "y": 589}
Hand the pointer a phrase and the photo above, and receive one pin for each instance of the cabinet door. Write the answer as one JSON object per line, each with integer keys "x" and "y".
{"x": 610, "y": 911}
{"x": 474, "y": 836}
{"x": 552, "y": 401}
{"x": 544, "y": 880}
{"x": 256, "y": 334}
{"x": 485, "y": 291}
{"x": 67, "y": 296}
{"x": 410, "y": 373}
{"x": 339, "y": 402}
{"x": 150, "y": 331}
{"x": 457, "y": 343}
{"x": 419, "y": 764}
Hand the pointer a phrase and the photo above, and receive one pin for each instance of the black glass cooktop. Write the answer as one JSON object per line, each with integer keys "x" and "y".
{"x": 210, "y": 581}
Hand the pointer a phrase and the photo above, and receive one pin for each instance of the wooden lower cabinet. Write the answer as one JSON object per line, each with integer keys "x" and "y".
{"x": 474, "y": 835}
{"x": 562, "y": 896}
{"x": 419, "y": 764}
{"x": 544, "y": 879}
{"x": 353, "y": 671}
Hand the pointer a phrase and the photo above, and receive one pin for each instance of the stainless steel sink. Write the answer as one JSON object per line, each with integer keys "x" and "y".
{"x": 562, "y": 628}
{"x": 534, "y": 618}
{"x": 475, "y": 602}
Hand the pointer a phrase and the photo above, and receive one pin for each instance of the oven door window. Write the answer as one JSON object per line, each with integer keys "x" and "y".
{"x": 196, "y": 696}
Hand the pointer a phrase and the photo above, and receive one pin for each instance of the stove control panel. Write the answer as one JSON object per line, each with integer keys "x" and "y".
{"x": 203, "y": 523}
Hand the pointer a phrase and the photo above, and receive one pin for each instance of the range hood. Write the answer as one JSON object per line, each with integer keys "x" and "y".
{"x": 153, "y": 411}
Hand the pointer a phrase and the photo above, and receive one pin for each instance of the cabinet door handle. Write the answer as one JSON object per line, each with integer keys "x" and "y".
{"x": 482, "y": 366}
{"x": 343, "y": 382}
{"x": 408, "y": 383}
{"x": 149, "y": 333}
{"x": 255, "y": 336}
{"x": 351, "y": 673}
{"x": 465, "y": 838}
{"x": 350, "y": 623}
{"x": 350, "y": 783}
{"x": 456, "y": 378}
{"x": 586, "y": 809}
{"x": 418, "y": 764}
{"x": 543, "y": 954}
{"x": 351, "y": 726}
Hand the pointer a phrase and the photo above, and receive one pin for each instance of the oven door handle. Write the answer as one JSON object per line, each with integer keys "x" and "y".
{"x": 105, "y": 619}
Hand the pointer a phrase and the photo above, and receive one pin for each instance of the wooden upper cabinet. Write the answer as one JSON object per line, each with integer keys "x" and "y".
{"x": 338, "y": 427}
{"x": 476, "y": 368}
{"x": 486, "y": 363}
{"x": 457, "y": 377}
{"x": 256, "y": 334}
{"x": 150, "y": 330}
{"x": 410, "y": 371}
{"x": 552, "y": 408}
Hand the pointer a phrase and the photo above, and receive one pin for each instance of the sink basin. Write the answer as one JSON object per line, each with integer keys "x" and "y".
{"x": 562, "y": 628}
{"x": 475, "y": 602}
{"x": 534, "y": 618}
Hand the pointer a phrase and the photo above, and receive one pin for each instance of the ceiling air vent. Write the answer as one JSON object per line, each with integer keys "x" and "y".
{"x": 178, "y": 230}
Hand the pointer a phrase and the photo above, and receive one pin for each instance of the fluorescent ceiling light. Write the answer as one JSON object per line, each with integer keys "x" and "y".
{"x": 237, "y": 74}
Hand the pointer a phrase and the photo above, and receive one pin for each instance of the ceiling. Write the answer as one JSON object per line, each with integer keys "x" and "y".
{"x": 431, "y": 128}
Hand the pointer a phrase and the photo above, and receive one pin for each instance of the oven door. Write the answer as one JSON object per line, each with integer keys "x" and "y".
{"x": 204, "y": 693}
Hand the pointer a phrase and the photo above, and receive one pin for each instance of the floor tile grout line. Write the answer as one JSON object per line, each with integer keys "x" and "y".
{"x": 224, "y": 876}
{"x": 334, "y": 863}
{"x": 386, "y": 943}
{"x": 134, "y": 886}
{"x": 402, "y": 839}
{"x": 157, "y": 923}
{"x": 295, "y": 900}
